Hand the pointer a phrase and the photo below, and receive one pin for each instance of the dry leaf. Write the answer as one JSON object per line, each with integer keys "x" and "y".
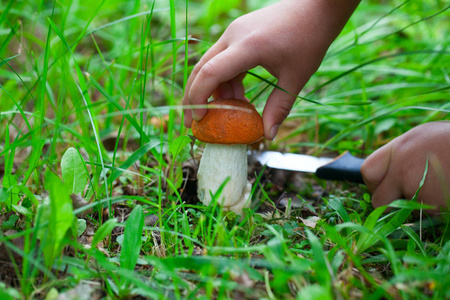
{"x": 310, "y": 222}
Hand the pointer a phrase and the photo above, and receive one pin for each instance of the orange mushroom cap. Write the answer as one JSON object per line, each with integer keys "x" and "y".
{"x": 229, "y": 126}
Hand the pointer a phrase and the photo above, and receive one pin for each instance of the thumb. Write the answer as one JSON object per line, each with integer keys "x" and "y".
{"x": 375, "y": 167}
{"x": 386, "y": 192}
{"x": 277, "y": 107}
{"x": 379, "y": 178}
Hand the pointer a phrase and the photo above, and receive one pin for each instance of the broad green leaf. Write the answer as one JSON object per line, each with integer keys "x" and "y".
{"x": 10, "y": 223}
{"x": 178, "y": 178}
{"x": 61, "y": 217}
{"x": 385, "y": 125}
{"x": 178, "y": 144}
{"x": 178, "y": 150}
{"x": 315, "y": 291}
{"x": 103, "y": 231}
{"x": 3, "y": 195}
{"x": 41, "y": 219}
{"x": 7, "y": 292}
{"x": 81, "y": 226}
{"x": 289, "y": 227}
{"x": 132, "y": 239}
{"x": 23, "y": 210}
{"x": 74, "y": 171}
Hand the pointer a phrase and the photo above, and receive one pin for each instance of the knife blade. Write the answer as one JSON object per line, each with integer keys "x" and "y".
{"x": 345, "y": 167}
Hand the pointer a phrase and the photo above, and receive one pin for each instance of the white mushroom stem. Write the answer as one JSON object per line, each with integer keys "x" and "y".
{"x": 220, "y": 163}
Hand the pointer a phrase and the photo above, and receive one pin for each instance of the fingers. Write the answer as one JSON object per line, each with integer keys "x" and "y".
{"x": 230, "y": 66}
{"x": 214, "y": 50}
{"x": 278, "y": 106}
{"x": 233, "y": 89}
{"x": 386, "y": 192}
{"x": 223, "y": 67}
{"x": 223, "y": 91}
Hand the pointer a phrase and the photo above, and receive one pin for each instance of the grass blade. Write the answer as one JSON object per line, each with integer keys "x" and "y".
{"x": 133, "y": 159}
{"x": 321, "y": 266}
{"x": 132, "y": 239}
{"x": 103, "y": 232}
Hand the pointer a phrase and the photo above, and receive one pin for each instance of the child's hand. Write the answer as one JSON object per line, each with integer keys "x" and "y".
{"x": 395, "y": 170}
{"x": 289, "y": 39}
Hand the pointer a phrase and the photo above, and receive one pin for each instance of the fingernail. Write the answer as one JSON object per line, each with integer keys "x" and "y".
{"x": 198, "y": 114}
{"x": 195, "y": 115}
{"x": 274, "y": 131}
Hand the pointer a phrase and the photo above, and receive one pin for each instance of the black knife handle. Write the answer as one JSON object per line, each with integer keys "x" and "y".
{"x": 345, "y": 167}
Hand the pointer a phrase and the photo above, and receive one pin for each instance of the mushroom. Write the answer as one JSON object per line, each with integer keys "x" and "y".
{"x": 227, "y": 132}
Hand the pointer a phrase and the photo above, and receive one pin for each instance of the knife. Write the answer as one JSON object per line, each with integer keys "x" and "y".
{"x": 345, "y": 167}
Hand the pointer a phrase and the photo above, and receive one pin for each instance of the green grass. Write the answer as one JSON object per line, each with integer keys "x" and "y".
{"x": 90, "y": 98}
